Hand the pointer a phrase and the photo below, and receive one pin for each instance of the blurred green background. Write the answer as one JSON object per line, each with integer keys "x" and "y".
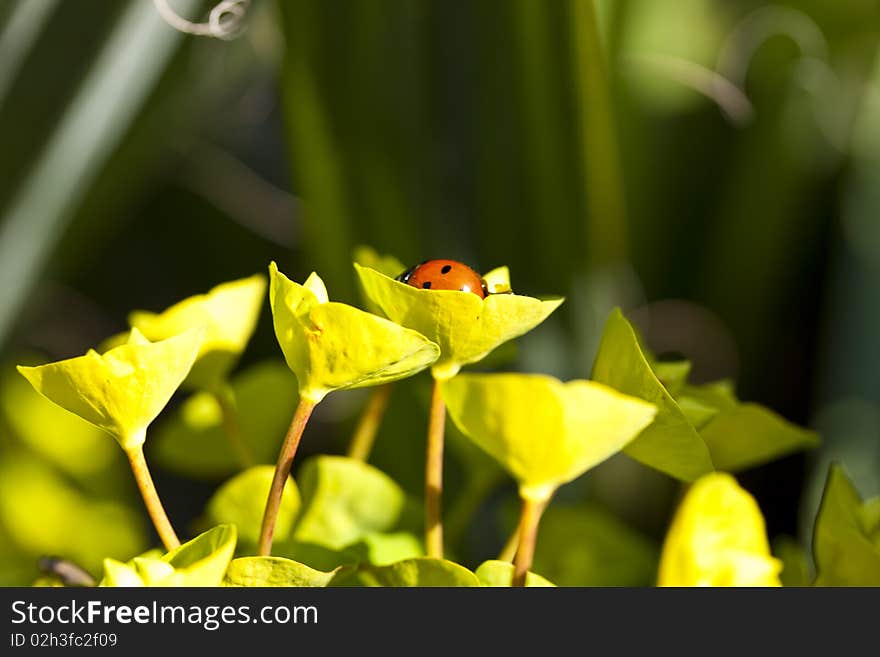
{"x": 711, "y": 166}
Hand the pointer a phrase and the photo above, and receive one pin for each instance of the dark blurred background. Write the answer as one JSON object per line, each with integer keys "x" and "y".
{"x": 711, "y": 166}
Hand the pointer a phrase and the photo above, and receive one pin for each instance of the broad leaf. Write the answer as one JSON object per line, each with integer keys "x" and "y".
{"x": 500, "y": 573}
{"x": 331, "y": 346}
{"x": 228, "y": 313}
{"x": 344, "y": 500}
{"x": 420, "y": 572}
{"x": 241, "y": 501}
{"x": 846, "y": 553}
{"x": 465, "y": 327}
{"x": 123, "y": 390}
{"x": 542, "y": 431}
{"x": 749, "y": 435}
{"x": 717, "y": 538}
{"x": 274, "y": 571}
{"x": 670, "y": 444}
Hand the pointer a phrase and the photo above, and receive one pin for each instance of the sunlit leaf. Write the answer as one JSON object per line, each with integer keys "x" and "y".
{"x": 845, "y": 553}
{"x": 420, "y": 572}
{"x": 273, "y": 571}
{"x": 670, "y": 444}
{"x": 240, "y": 501}
{"x": 199, "y": 562}
{"x": 750, "y": 435}
{"x": 465, "y": 326}
{"x": 500, "y": 573}
{"x": 718, "y": 538}
{"x": 193, "y": 441}
{"x": 330, "y": 345}
{"x": 344, "y": 500}
{"x": 228, "y": 313}
{"x": 544, "y": 432}
{"x": 123, "y": 390}
{"x": 381, "y": 549}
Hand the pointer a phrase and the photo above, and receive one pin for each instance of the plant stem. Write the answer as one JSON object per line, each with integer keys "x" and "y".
{"x": 528, "y": 534}
{"x": 434, "y": 474}
{"x": 508, "y": 552}
{"x": 151, "y": 498}
{"x": 368, "y": 424}
{"x": 282, "y": 470}
{"x": 232, "y": 428}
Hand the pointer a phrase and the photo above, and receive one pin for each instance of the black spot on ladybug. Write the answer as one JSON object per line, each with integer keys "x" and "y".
{"x": 446, "y": 269}
{"x": 427, "y": 285}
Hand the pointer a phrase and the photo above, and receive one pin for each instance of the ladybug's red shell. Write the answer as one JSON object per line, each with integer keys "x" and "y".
{"x": 444, "y": 275}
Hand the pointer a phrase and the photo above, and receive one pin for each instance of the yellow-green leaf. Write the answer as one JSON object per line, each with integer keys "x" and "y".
{"x": 274, "y": 571}
{"x": 203, "y": 561}
{"x": 500, "y": 573}
{"x": 123, "y": 390}
{"x": 419, "y": 572}
{"x": 240, "y": 501}
{"x": 228, "y": 314}
{"x": 670, "y": 444}
{"x": 344, "y": 500}
{"x": 367, "y": 256}
{"x": 718, "y": 538}
{"x": 749, "y": 435}
{"x": 544, "y": 432}
{"x": 465, "y": 326}
{"x": 330, "y": 346}
{"x": 845, "y": 542}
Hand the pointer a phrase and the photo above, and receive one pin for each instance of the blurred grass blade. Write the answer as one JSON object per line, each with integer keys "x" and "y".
{"x": 19, "y": 34}
{"x": 606, "y": 228}
{"x": 121, "y": 80}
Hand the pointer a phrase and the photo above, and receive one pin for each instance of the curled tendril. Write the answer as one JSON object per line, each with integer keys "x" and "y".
{"x": 725, "y": 83}
{"x": 225, "y": 21}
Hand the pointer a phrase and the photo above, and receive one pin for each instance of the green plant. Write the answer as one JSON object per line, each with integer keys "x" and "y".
{"x": 343, "y": 522}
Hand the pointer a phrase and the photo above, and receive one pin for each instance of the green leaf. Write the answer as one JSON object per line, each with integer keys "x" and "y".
{"x": 381, "y": 549}
{"x": 717, "y": 538}
{"x": 344, "y": 500}
{"x": 500, "y": 573}
{"x": 203, "y": 561}
{"x": 331, "y": 346}
{"x": 241, "y": 501}
{"x": 274, "y": 571}
{"x": 420, "y": 572}
{"x": 228, "y": 313}
{"x": 673, "y": 374}
{"x": 845, "y": 554}
{"x": 41, "y": 513}
{"x": 123, "y": 390}
{"x": 670, "y": 444}
{"x": 465, "y": 326}
{"x": 192, "y": 442}
{"x": 367, "y": 256}
{"x": 544, "y": 432}
{"x": 585, "y": 545}
{"x": 749, "y": 435}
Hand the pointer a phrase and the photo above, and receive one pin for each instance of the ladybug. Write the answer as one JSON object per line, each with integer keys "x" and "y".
{"x": 445, "y": 275}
